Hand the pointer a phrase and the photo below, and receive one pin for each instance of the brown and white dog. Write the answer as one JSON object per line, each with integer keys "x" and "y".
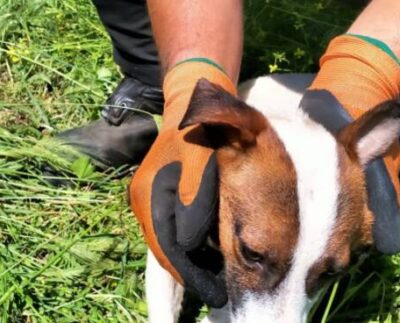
{"x": 293, "y": 201}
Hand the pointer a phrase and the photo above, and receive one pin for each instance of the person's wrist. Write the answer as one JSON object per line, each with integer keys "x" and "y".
{"x": 180, "y": 82}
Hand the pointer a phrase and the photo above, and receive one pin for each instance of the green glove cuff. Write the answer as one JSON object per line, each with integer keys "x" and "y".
{"x": 203, "y": 60}
{"x": 380, "y": 44}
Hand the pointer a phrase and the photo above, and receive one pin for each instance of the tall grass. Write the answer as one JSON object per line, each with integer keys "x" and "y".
{"x": 74, "y": 253}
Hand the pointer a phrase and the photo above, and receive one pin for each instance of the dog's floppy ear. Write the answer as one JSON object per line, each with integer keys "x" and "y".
{"x": 365, "y": 140}
{"x": 371, "y": 135}
{"x": 226, "y": 119}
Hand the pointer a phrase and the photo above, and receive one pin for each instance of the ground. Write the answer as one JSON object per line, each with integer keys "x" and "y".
{"x": 74, "y": 253}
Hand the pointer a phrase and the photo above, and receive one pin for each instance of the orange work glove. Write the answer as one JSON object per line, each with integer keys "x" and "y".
{"x": 357, "y": 73}
{"x": 174, "y": 192}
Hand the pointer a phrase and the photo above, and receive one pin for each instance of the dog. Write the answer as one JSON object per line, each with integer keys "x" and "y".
{"x": 293, "y": 200}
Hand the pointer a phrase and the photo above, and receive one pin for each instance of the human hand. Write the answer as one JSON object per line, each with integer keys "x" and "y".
{"x": 174, "y": 193}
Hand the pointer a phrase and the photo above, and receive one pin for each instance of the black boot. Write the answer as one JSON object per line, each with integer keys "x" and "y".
{"x": 127, "y": 130}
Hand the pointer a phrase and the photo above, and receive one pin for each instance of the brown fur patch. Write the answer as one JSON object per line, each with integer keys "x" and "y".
{"x": 258, "y": 193}
{"x": 227, "y": 119}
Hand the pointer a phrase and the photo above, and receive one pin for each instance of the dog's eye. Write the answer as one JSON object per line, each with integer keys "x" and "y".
{"x": 315, "y": 283}
{"x": 250, "y": 255}
{"x": 333, "y": 273}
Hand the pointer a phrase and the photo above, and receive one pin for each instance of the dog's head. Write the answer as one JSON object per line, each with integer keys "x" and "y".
{"x": 293, "y": 200}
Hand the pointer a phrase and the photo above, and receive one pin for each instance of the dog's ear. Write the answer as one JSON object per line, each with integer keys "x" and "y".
{"x": 226, "y": 119}
{"x": 370, "y": 136}
{"x": 365, "y": 140}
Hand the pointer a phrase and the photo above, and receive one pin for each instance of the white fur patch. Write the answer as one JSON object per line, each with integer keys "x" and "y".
{"x": 163, "y": 294}
{"x": 314, "y": 155}
{"x": 376, "y": 141}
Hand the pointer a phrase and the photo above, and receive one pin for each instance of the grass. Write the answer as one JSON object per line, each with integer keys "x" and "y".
{"x": 75, "y": 254}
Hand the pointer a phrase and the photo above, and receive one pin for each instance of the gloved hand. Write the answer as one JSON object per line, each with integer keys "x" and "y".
{"x": 357, "y": 73}
{"x": 174, "y": 192}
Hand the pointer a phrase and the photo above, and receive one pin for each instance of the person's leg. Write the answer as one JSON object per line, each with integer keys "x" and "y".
{"x": 126, "y": 131}
{"x": 128, "y": 24}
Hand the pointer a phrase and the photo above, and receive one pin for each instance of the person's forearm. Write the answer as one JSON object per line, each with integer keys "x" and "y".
{"x": 186, "y": 29}
{"x": 380, "y": 20}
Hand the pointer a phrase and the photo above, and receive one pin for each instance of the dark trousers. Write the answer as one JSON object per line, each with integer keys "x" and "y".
{"x": 128, "y": 24}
